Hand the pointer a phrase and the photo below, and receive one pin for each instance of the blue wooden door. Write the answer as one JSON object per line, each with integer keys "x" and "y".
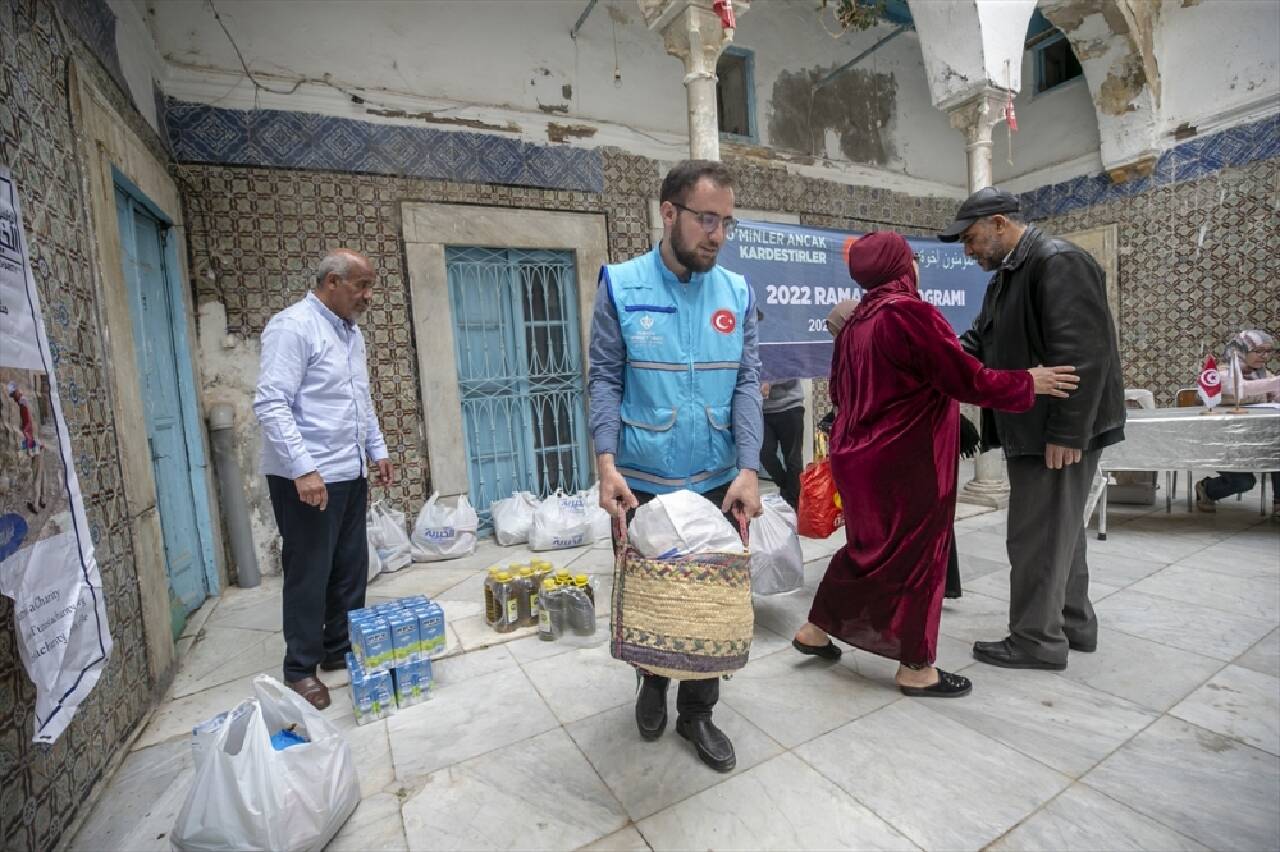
{"x": 142, "y": 241}
{"x": 515, "y": 322}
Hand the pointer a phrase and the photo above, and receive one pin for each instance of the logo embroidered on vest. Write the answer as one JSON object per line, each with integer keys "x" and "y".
{"x": 724, "y": 321}
{"x": 646, "y": 322}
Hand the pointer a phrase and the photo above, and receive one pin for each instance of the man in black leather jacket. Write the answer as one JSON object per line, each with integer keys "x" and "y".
{"x": 1046, "y": 304}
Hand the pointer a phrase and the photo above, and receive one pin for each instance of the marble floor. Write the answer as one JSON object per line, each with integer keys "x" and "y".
{"x": 1168, "y": 737}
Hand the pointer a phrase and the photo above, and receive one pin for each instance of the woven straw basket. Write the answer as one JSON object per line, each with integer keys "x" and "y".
{"x": 686, "y": 619}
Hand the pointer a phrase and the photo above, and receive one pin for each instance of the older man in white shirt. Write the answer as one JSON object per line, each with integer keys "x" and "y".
{"x": 320, "y": 435}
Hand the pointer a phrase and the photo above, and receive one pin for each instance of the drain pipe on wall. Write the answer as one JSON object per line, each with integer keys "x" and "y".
{"x": 235, "y": 510}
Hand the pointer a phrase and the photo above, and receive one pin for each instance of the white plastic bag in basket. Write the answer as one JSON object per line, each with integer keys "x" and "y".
{"x": 680, "y": 524}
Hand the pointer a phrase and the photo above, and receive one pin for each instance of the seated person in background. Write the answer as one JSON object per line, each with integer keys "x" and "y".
{"x": 1252, "y": 349}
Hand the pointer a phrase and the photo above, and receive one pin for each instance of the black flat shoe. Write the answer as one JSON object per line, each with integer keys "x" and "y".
{"x": 948, "y": 686}
{"x": 711, "y": 743}
{"x": 828, "y": 651}
{"x": 1007, "y": 655}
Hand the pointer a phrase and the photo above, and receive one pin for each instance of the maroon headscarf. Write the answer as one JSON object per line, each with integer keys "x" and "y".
{"x": 881, "y": 263}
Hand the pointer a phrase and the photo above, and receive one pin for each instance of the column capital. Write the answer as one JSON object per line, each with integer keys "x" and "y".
{"x": 977, "y": 113}
{"x": 692, "y": 31}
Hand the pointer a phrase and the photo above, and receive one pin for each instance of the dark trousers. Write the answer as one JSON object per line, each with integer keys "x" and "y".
{"x": 1049, "y": 584}
{"x": 953, "y": 571}
{"x": 325, "y": 560}
{"x": 694, "y": 698}
{"x": 1227, "y": 484}
{"x": 784, "y": 430}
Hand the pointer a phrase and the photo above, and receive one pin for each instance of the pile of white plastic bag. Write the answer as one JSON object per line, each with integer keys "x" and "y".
{"x": 441, "y": 532}
{"x": 556, "y": 522}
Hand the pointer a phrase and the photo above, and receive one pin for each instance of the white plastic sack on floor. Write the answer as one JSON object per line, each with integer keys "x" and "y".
{"x": 247, "y": 795}
{"x": 375, "y": 563}
{"x": 560, "y": 521}
{"x": 682, "y": 524}
{"x": 601, "y": 523}
{"x": 444, "y": 533}
{"x": 387, "y": 535}
{"x": 513, "y": 518}
{"x": 777, "y": 563}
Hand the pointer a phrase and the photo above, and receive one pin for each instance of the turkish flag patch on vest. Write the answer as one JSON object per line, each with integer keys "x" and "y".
{"x": 724, "y": 321}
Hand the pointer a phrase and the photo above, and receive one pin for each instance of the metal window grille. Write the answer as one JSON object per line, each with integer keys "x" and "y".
{"x": 516, "y": 333}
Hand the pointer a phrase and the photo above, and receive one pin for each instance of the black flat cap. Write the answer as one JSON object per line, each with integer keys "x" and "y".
{"x": 984, "y": 202}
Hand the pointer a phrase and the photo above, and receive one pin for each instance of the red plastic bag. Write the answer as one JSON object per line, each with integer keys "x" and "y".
{"x": 819, "y": 514}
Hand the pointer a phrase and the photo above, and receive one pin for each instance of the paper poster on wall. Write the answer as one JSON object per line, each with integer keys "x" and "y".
{"x": 798, "y": 274}
{"x": 46, "y": 554}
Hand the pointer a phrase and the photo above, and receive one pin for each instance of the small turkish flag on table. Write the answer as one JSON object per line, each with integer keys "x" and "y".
{"x": 1210, "y": 384}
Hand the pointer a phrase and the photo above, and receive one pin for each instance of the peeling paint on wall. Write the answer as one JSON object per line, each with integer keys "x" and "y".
{"x": 857, "y": 106}
{"x": 432, "y": 118}
{"x": 564, "y": 132}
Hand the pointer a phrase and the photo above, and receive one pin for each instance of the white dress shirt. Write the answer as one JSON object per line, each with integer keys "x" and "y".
{"x": 313, "y": 396}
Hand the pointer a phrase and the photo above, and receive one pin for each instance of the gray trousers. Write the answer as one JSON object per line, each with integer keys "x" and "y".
{"x": 1049, "y": 586}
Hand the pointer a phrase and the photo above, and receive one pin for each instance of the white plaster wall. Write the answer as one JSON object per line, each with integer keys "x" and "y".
{"x": 505, "y": 61}
{"x": 139, "y": 57}
{"x": 1219, "y": 62}
{"x": 1057, "y": 136}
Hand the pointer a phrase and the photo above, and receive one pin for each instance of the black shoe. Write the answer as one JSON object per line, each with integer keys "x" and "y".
{"x": 1084, "y": 647}
{"x": 651, "y": 707}
{"x": 828, "y": 651}
{"x": 1007, "y": 655}
{"x": 712, "y": 744}
{"x": 948, "y": 685}
{"x": 337, "y": 664}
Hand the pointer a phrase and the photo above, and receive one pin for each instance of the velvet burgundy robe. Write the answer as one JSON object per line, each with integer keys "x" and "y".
{"x": 896, "y": 374}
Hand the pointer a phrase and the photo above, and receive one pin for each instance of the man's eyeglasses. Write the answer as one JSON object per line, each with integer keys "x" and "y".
{"x": 710, "y": 221}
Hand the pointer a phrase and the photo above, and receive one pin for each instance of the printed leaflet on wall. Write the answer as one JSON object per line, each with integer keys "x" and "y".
{"x": 46, "y": 553}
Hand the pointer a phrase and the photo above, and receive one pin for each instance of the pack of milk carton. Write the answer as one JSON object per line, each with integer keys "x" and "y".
{"x": 392, "y": 644}
{"x": 396, "y": 633}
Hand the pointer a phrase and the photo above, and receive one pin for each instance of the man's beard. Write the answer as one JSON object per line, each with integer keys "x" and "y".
{"x": 688, "y": 257}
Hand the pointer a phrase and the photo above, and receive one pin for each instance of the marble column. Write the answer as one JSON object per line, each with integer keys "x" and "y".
{"x": 693, "y": 32}
{"x": 976, "y": 116}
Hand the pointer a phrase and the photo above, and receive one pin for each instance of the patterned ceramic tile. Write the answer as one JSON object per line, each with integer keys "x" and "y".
{"x": 40, "y": 789}
{"x": 278, "y": 138}
{"x": 1230, "y": 148}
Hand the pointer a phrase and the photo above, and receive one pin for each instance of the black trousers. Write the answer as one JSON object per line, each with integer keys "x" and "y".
{"x": 694, "y": 698}
{"x": 784, "y": 430}
{"x": 325, "y": 560}
{"x": 1229, "y": 483}
{"x": 1049, "y": 585}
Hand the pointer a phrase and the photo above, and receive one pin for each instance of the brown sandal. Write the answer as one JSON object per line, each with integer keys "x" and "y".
{"x": 310, "y": 688}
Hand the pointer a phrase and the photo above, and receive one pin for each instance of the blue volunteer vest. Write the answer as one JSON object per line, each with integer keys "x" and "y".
{"x": 684, "y": 347}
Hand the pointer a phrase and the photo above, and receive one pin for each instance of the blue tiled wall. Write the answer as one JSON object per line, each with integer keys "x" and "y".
{"x": 1236, "y": 146}
{"x": 277, "y": 138}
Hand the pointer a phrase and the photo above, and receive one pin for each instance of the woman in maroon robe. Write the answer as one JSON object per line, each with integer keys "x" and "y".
{"x": 896, "y": 374}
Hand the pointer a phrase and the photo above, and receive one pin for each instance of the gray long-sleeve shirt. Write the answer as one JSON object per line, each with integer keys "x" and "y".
{"x": 608, "y": 357}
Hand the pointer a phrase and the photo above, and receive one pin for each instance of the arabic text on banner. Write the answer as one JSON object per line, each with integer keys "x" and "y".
{"x": 799, "y": 274}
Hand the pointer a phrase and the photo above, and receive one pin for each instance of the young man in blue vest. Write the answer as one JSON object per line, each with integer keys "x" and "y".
{"x": 675, "y": 396}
